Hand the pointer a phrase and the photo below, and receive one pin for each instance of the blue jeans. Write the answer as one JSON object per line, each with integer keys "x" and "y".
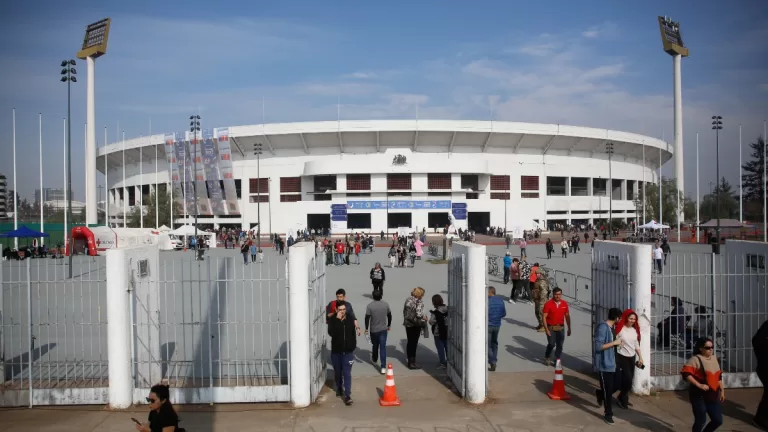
{"x": 357, "y": 255}
{"x": 339, "y": 259}
{"x": 701, "y": 409}
{"x": 440, "y": 345}
{"x": 555, "y": 340}
{"x": 493, "y": 344}
{"x": 342, "y": 371}
{"x": 379, "y": 342}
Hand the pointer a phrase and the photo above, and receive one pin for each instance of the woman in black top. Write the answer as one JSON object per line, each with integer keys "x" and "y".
{"x": 162, "y": 417}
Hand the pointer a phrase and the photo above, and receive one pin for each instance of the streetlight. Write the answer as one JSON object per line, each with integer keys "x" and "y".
{"x": 194, "y": 127}
{"x": 68, "y": 76}
{"x": 609, "y": 150}
{"x": 257, "y": 148}
{"x": 717, "y": 125}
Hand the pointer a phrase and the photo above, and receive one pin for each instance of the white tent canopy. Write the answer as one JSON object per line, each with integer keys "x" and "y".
{"x": 164, "y": 228}
{"x": 653, "y": 225}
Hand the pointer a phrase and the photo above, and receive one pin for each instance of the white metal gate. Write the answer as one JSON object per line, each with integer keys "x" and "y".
{"x": 216, "y": 329}
{"x": 317, "y": 326}
{"x": 611, "y": 285}
{"x": 53, "y": 332}
{"x": 457, "y": 286}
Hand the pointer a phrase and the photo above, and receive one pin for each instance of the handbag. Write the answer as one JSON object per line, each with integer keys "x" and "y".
{"x": 425, "y": 330}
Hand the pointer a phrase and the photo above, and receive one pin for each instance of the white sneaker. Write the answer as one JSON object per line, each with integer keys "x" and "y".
{"x": 512, "y": 301}
{"x": 383, "y": 371}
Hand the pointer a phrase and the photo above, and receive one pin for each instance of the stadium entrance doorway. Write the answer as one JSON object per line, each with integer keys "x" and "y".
{"x": 397, "y": 220}
{"x": 478, "y": 221}
{"x": 318, "y": 221}
{"x": 439, "y": 220}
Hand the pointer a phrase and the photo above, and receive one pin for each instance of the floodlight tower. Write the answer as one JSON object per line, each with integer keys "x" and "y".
{"x": 94, "y": 46}
{"x": 673, "y": 45}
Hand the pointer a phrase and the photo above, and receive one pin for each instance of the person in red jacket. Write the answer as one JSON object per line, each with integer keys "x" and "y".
{"x": 357, "y": 251}
{"x": 339, "y": 246}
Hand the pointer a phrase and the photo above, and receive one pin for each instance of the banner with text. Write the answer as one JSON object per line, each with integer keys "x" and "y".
{"x": 210, "y": 158}
{"x": 170, "y": 155}
{"x": 197, "y": 166}
{"x": 399, "y": 205}
{"x": 184, "y": 163}
{"x": 221, "y": 135}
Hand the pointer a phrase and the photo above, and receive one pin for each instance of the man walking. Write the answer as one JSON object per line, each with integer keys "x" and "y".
{"x": 605, "y": 362}
{"x": 507, "y": 265}
{"x": 341, "y": 329}
{"x": 330, "y": 310}
{"x": 377, "y": 278}
{"x": 378, "y": 319}
{"x": 496, "y": 311}
{"x": 556, "y": 315}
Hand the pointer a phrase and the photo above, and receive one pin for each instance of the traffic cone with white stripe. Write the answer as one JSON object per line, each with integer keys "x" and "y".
{"x": 389, "y": 398}
{"x": 558, "y": 385}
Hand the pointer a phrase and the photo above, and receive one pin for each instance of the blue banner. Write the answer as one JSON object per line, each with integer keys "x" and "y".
{"x": 210, "y": 159}
{"x": 339, "y": 218}
{"x": 338, "y": 206}
{"x": 459, "y": 205}
{"x": 459, "y": 213}
{"x": 399, "y": 205}
{"x": 339, "y": 212}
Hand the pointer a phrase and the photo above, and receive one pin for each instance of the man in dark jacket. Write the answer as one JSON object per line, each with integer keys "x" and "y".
{"x": 342, "y": 331}
{"x": 760, "y": 347}
{"x": 378, "y": 277}
{"x": 330, "y": 310}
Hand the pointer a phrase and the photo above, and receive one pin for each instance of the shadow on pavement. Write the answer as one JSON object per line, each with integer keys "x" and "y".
{"x": 534, "y": 352}
{"x": 730, "y": 408}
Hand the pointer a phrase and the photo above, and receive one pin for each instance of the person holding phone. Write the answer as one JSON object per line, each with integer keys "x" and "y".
{"x": 341, "y": 295}
{"x": 628, "y": 331}
{"x": 341, "y": 329}
{"x": 162, "y": 416}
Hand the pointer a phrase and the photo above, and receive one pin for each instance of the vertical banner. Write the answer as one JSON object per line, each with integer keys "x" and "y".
{"x": 175, "y": 176}
{"x": 203, "y": 206}
{"x": 210, "y": 156}
{"x": 184, "y": 164}
{"x": 225, "y": 168}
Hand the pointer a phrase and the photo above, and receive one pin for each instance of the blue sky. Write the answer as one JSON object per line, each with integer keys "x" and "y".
{"x": 587, "y": 63}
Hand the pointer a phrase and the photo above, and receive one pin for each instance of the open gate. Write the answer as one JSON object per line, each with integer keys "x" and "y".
{"x": 317, "y": 326}
{"x": 457, "y": 286}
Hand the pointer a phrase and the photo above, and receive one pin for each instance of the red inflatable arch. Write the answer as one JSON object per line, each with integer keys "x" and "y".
{"x": 82, "y": 237}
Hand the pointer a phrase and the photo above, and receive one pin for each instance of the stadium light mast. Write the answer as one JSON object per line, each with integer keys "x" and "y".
{"x": 717, "y": 125}
{"x": 673, "y": 45}
{"x": 68, "y": 76}
{"x": 194, "y": 127}
{"x": 94, "y": 46}
{"x": 609, "y": 150}
{"x": 257, "y": 150}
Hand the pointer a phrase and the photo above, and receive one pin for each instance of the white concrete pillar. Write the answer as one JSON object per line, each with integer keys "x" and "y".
{"x": 299, "y": 257}
{"x": 119, "y": 330}
{"x": 476, "y": 321}
{"x": 91, "y": 213}
{"x": 640, "y": 270}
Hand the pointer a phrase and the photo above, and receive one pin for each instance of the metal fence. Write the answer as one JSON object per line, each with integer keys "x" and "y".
{"x": 53, "y": 332}
{"x": 435, "y": 250}
{"x": 577, "y": 288}
{"x": 218, "y": 326}
{"x": 457, "y": 285}
{"x": 722, "y": 297}
{"x": 317, "y": 329}
{"x": 612, "y": 287}
{"x": 495, "y": 265}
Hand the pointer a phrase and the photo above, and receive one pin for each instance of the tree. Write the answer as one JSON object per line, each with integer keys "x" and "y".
{"x": 752, "y": 180}
{"x": 164, "y": 213}
{"x": 669, "y": 203}
{"x": 729, "y": 204}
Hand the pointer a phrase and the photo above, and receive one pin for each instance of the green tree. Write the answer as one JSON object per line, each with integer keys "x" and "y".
{"x": 752, "y": 181}
{"x": 150, "y": 204}
{"x": 729, "y": 203}
{"x": 669, "y": 203}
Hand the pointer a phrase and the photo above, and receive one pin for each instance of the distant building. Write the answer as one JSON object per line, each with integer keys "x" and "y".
{"x": 50, "y": 194}
{"x": 3, "y": 197}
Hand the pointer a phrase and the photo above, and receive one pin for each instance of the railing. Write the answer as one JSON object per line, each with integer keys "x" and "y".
{"x": 495, "y": 266}
{"x": 575, "y": 287}
{"x": 435, "y": 250}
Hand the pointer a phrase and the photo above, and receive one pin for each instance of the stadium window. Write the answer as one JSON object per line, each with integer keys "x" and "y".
{"x": 259, "y": 185}
{"x": 438, "y": 181}
{"x": 324, "y": 183}
{"x": 399, "y": 181}
{"x": 238, "y": 187}
{"x": 529, "y": 195}
{"x": 500, "y": 195}
{"x": 358, "y": 194}
{"x": 500, "y": 182}
{"x": 358, "y": 182}
{"x": 529, "y": 183}
{"x": 290, "y": 184}
{"x": 290, "y": 198}
{"x": 258, "y": 198}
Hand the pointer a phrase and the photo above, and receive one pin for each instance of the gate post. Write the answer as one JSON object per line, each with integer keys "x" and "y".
{"x": 299, "y": 258}
{"x": 639, "y": 274}
{"x": 476, "y": 319}
{"x": 119, "y": 330}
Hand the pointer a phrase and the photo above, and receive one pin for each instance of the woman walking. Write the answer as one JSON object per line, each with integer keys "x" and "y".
{"x": 162, "y": 416}
{"x": 414, "y": 321}
{"x": 706, "y": 391}
{"x": 392, "y": 255}
{"x": 438, "y": 320}
{"x": 628, "y": 331}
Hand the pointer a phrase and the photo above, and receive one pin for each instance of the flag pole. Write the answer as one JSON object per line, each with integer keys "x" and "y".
{"x": 125, "y": 191}
{"x": 85, "y": 142}
{"x": 741, "y": 186}
{"x": 698, "y": 197}
{"x": 42, "y": 194}
{"x": 15, "y": 189}
{"x": 106, "y": 179}
{"x": 157, "y": 183}
{"x": 66, "y": 189}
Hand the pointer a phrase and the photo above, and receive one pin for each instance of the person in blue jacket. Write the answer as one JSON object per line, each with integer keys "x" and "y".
{"x": 496, "y": 311}
{"x": 507, "y": 265}
{"x": 604, "y": 362}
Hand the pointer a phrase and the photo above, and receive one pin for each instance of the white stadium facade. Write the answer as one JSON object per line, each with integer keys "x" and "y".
{"x": 369, "y": 176}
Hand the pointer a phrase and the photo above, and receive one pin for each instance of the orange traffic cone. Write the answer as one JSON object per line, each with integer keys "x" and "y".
{"x": 389, "y": 398}
{"x": 558, "y": 385}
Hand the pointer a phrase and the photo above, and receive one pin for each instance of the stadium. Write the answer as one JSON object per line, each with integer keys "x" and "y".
{"x": 387, "y": 174}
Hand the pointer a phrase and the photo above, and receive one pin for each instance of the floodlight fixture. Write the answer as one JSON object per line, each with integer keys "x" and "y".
{"x": 671, "y": 37}
{"x": 95, "y": 40}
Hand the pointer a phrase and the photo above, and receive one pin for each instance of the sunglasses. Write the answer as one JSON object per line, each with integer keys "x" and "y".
{"x": 150, "y": 400}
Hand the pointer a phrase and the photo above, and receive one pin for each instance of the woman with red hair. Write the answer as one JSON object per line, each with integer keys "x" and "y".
{"x": 628, "y": 331}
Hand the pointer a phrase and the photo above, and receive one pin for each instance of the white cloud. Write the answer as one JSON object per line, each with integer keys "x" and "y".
{"x": 361, "y": 75}
{"x": 607, "y": 28}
